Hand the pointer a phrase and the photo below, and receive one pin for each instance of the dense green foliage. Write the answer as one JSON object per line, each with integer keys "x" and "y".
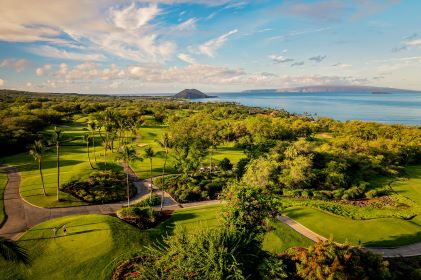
{"x": 203, "y": 186}
{"x": 142, "y": 217}
{"x": 100, "y": 187}
{"x": 153, "y": 201}
{"x": 3, "y": 183}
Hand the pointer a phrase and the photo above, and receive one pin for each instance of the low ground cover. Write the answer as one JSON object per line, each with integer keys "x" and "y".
{"x": 100, "y": 186}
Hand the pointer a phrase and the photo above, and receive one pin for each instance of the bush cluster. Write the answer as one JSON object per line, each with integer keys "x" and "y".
{"x": 142, "y": 217}
{"x": 100, "y": 187}
{"x": 187, "y": 188}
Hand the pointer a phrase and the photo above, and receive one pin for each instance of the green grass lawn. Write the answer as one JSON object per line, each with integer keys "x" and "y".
{"x": 282, "y": 237}
{"x": 96, "y": 243}
{"x": 376, "y": 232}
{"x": 3, "y": 183}
{"x": 410, "y": 187}
{"x": 91, "y": 249}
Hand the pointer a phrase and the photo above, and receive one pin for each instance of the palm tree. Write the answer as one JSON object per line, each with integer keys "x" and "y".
{"x": 87, "y": 137}
{"x": 164, "y": 143}
{"x": 128, "y": 154}
{"x": 92, "y": 127}
{"x": 37, "y": 152}
{"x": 149, "y": 153}
{"x": 11, "y": 251}
{"x": 57, "y": 137}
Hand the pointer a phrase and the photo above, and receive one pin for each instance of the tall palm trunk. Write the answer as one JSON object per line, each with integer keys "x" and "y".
{"x": 127, "y": 182}
{"x": 105, "y": 149}
{"x": 150, "y": 174}
{"x": 58, "y": 171}
{"x": 42, "y": 177}
{"x": 89, "y": 157}
{"x": 163, "y": 175}
{"x": 211, "y": 156}
{"x": 93, "y": 143}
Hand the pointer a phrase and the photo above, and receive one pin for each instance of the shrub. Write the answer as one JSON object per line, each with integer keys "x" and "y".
{"x": 377, "y": 193}
{"x": 100, "y": 187}
{"x": 142, "y": 217}
{"x": 155, "y": 200}
{"x": 225, "y": 164}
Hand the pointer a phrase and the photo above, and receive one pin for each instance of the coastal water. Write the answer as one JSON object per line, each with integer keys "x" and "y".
{"x": 404, "y": 108}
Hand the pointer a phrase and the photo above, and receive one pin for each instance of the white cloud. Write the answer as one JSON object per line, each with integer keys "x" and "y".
{"x": 413, "y": 43}
{"x": 209, "y": 48}
{"x": 187, "y": 25}
{"x": 2, "y": 82}
{"x": 49, "y": 51}
{"x": 41, "y": 71}
{"x": 132, "y": 17}
{"x": 342, "y": 65}
{"x": 280, "y": 58}
{"x": 186, "y": 58}
{"x": 28, "y": 84}
{"x": 18, "y": 64}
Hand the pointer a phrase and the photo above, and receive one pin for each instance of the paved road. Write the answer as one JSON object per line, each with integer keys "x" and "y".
{"x": 22, "y": 215}
{"x": 400, "y": 251}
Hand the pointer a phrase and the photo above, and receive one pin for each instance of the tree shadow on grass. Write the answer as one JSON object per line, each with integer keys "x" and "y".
{"x": 396, "y": 240}
{"x": 60, "y": 234}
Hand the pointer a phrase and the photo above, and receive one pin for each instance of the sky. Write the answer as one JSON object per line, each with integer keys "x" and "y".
{"x": 164, "y": 46}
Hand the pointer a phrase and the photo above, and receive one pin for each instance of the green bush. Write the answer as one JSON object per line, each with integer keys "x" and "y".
{"x": 142, "y": 217}
{"x": 377, "y": 193}
{"x": 155, "y": 200}
{"x": 203, "y": 186}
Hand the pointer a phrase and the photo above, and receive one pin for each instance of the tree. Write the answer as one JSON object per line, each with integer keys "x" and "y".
{"x": 149, "y": 153}
{"x": 92, "y": 127}
{"x": 87, "y": 137}
{"x": 11, "y": 251}
{"x": 164, "y": 143}
{"x": 128, "y": 154}
{"x": 225, "y": 164}
{"x": 57, "y": 138}
{"x": 327, "y": 260}
{"x": 37, "y": 151}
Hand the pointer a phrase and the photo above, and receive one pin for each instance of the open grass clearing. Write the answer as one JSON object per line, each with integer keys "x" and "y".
{"x": 385, "y": 232}
{"x": 410, "y": 187}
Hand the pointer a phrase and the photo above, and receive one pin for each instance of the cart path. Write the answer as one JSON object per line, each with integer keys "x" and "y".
{"x": 389, "y": 252}
{"x": 21, "y": 215}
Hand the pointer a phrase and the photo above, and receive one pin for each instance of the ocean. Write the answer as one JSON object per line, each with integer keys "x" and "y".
{"x": 397, "y": 108}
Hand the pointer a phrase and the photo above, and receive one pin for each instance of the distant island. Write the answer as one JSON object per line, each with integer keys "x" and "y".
{"x": 337, "y": 88}
{"x": 191, "y": 94}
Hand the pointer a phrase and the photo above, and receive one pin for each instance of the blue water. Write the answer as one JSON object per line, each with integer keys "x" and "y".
{"x": 404, "y": 108}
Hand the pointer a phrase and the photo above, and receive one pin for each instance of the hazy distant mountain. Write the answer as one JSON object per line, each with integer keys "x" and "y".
{"x": 333, "y": 88}
{"x": 191, "y": 94}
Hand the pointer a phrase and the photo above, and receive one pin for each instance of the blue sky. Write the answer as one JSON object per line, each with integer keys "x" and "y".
{"x": 214, "y": 45}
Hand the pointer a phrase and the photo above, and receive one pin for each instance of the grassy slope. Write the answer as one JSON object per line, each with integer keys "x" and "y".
{"x": 95, "y": 243}
{"x": 410, "y": 188}
{"x": 376, "y": 232}
{"x": 91, "y": 249}
{"x": 3, "y": 183}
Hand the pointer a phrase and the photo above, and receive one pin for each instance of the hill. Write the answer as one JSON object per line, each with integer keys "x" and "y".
{"x": 191, "y": 94}
{"x": 335, "y": 88}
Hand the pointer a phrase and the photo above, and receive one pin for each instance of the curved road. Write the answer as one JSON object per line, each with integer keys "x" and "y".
{"x": 21, "y": 215}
